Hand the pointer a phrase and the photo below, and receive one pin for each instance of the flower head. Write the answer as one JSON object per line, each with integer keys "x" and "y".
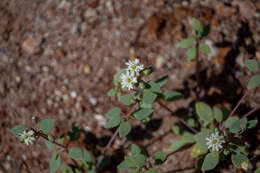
{"x": 27, "y": 137}
{"x": 134, "y": 66}
{"x": 128, "y": 80}
{"x": 215, "y": 141}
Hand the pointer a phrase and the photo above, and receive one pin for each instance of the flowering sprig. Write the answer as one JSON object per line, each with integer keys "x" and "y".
{"x": 215, "y": 141}
{"x": 27, "y": 137}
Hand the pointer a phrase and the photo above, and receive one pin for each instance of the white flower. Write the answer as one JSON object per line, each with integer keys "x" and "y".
{"x": 27, "y": 137}
{"x": 215, "y": 141}
{"x": 134, "y": 66}
{"x": 128, "y": 80}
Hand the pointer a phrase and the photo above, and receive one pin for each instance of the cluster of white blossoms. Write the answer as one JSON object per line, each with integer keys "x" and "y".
{"x": 215, "y": 141}
{"x": 27, "y": 137}
{"x": 129, "y": 79}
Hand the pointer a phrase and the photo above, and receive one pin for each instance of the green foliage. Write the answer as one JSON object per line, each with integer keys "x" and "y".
{"x": 124, "y": 129}
{"x": 74, "y": 133}
{"x": 76, "y": 153}
{"x": 114, "y": 117}
{"x": 155, "y": 87}
{"x": 238, "y": 159}
{"x": 204, "y": 112}
{"x": 135, "y": 149}
{"x": 66, "y": 169}
{"x": 172, "y": 95}
{"x": 230, "y": 120}
{"x": 252, "y": 65}
{"x": 254, "y": 82}
{"x": 49, "y": 144}
{"x": 111, "y": 92}
{"x": 204, "y": 31}
{"x": 196, "y": 25}
{"x": 127, "y": 99}
{"x": 238, "y": 125}
{"x": 143, "y": 113}
{"x": 210, "y": 161}
{"x": 18, "y": 130}
{"x": 251, "y": 124}
{"x": 187, "y": 138}
{"x": 204, "y": 48}
{"x": 218, "y": 115}
{"x": 46, "y": 125}
{"x": 55, "y": 162}
{"x": 200, "y": 137}
{"x": 149, "y": 97}
{"x": 162, "y": 81}
{"x": 198, "y": 150}
{"x": 187, "y": 42}
{"x": 159, "y": 157}
{"x": 257, "y": 170}
{"x": 191, "y": 54}
{"x": 152, "y": 170}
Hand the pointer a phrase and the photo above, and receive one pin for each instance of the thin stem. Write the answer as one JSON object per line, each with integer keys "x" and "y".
{"x": 197, "y": 68}
{"x": 252, "y": 111}
{"x": 238, "y": 104}
{"x": 113, "y": 138}
{"x": 179, "y": 118}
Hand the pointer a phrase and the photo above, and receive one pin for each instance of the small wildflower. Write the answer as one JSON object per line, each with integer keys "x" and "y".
{"x": 128, "y": 80}
{"x": 215, "y": 141}
{"x": 134, "y": 66}
{"x": 27, "y": 137}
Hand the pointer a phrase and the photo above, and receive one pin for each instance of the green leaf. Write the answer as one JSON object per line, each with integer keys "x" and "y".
{"x": 162, "y": 81}
{"x": 111, "y": 92}
{"x": 124, "y": 129}
{"x": 159, "y": 157}
{"x": 252, "y": 123}
{"x": 87, "y": 156}
{"x": 149, "y": 97}
{"x": 204, "y": 112}
{"x": 143, "y": 113}
{"x": 135, "y": 149}
{"x": 176, "y": 145}
{"x": 201, "y": 137}
{"x": 257, "y": 170}
{"x": 252, "y": 65}
{"x": 198, "y": 150}
{"x": 127, "y": 99}
{"x": 113, "y": 112}
{"x": 152, "y": 170}
{"x": 49, "y": 144}
{"x": 66, "y": 169}
{"x": 130, "y": 162}
{"x": 76, "y": 153}
{"x": 140, "y": 160}
{"x": 113, "y": 122}
{"x": 210, "y": 162}
{"x": 46, "y": 125}
{"x": 218, "y": 115}
{"x": 196, "y": 25}
{"x": 254, "y": 82}
{"x": 230, "y": 120}
{"x": 55, "y": 162}
{"x": 134, "y": 171}
{"x": 155, "y": 87}
{"x": 238, "y": 159}
{"x": 204, "y": 48}
{"x": 177, "y": 130}
{"x": 18, "y": 130}
{"x": 191, "y": 54}
{"x": 122, "y": 165}
{"x": 238, "y": 125}
{"x": 187, "y": 42}
{"x": 172, "y": 95}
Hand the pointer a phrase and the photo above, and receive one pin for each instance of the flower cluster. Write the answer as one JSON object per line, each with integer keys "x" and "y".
{"x": 215, "y": 141}
{"x": 27, "y": 137}
{"x": 129, "y": 79}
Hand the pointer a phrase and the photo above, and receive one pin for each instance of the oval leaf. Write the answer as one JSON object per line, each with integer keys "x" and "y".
{"x": 204, "y": 112}
{"x": 254, "y": 82}
{"x": 143, "y": 113}
{"x": 252, "y": 64}
{"x": 210, "y": 162}
{"x": 46, "y": 125}
{"x": 238, "y": 159}
{"x": 124, "y": 129}
{"x": 18, "y": 130}
{"x": 191, "y": 54}
{"x": 186, "y": 42}
{"x": 76, "y": 153}
{"x": 204, "y": 48}
{"x": 55, "y": 162}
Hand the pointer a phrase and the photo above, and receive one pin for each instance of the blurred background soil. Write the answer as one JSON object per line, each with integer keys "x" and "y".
{"x": 58, "y": 58}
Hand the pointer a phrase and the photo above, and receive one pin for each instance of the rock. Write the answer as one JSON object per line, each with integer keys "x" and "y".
{"x": 32, "y": 45}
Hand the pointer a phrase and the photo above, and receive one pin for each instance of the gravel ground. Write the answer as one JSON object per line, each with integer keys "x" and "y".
{"x": 57, "y": 59}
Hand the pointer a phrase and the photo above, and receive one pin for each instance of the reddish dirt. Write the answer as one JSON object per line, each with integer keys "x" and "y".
{"x": 58, "y": 58}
